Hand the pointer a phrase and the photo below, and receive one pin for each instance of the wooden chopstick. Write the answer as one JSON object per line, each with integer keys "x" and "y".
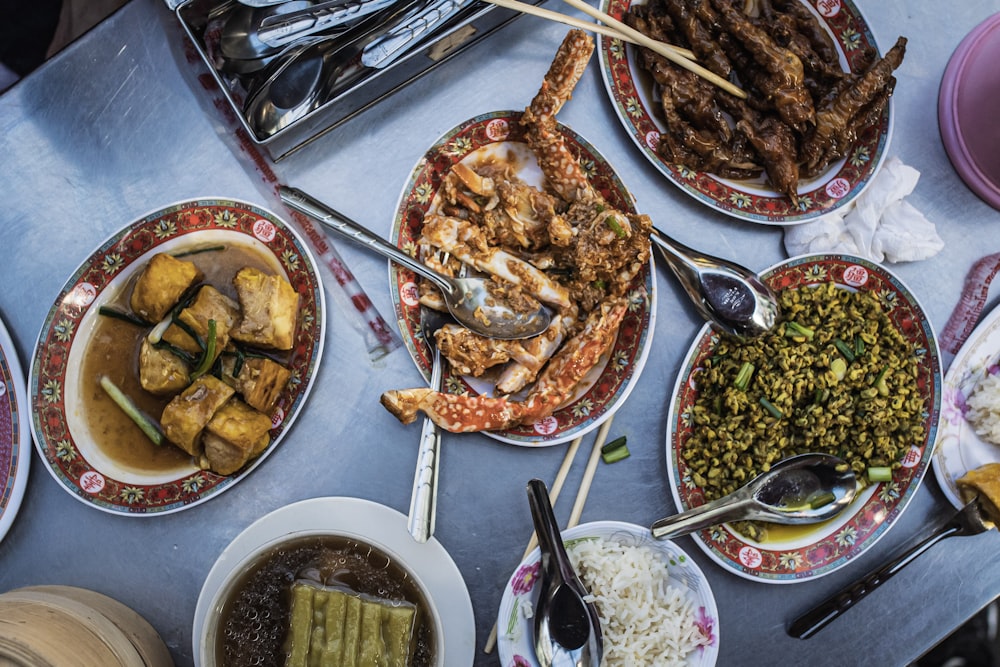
{"x": 557, "y": 485}
{"x": 657, "y": 47}
{"x": 540, "y": 12}
{"x": 588, "y": 473}
{"x": 581, "y": 496}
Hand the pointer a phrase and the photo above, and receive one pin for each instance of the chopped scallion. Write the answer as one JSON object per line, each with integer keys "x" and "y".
{"x": 844, "y": 349}
{"x": 208, "y": 358}
{"x": 770, "y": 407}
{"x": 616, "y": 450}
{"x": 879, "y": 474}
{"x": 796, "y": 330}
{"x": 742, "y": 380}
{"x": 128, "y": 406}
{"x": 107, "y": 311}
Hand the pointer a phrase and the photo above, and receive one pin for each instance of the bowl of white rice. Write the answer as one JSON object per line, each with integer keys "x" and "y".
{"x": 655, "y": 604}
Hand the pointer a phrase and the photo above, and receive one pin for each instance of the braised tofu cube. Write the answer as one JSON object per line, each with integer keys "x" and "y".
{"x": 270, "y": 308}
{"x": 161, "y": 285}
{"x": 235, "y": 434}
{"x": 260, "y": 380}
{"x": 209, "y": 304}
{"x": 187, "y": 414}
{"x": 161, "y": 371}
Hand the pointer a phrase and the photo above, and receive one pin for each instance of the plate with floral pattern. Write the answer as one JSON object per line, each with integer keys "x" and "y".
{"x": 15, "y": 437}
{"x": 631, "y": 92}
{"x": 800, "y": 553}
{"x": 68, "y": 444}
{"x": 499, "y": 135}
{"x": 515, "y": 626}
{"x": 959, "y": 448}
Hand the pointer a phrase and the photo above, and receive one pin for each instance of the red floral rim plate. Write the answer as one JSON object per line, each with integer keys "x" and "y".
{"x": 63, "y": 439}
{"x": 607, "y": 386}
{"x": 816, "y": 551}
{"x": 631, "y": 92}
{"x": 15, "y": 438}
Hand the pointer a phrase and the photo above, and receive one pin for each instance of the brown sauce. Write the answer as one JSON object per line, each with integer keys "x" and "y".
{"x": 113, "y": 350}
{"x": 254, "y": 618}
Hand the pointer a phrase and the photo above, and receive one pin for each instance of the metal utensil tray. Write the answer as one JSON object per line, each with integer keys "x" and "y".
{"x": 470, "y": 26}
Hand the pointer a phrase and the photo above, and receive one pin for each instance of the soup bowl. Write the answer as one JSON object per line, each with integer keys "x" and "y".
{"x": 253, "y": 574}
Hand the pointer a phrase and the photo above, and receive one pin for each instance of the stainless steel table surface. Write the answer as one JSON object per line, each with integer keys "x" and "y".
{"x": 117, "y": 125}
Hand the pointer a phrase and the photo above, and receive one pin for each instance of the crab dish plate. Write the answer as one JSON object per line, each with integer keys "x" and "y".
{"x": 490, "y": 138}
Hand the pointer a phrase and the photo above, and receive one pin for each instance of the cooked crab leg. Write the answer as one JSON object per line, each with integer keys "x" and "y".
{"x": 465, "y": 413}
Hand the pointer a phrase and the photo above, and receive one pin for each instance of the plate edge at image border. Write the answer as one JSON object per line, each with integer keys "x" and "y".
{"x": 945, "y": 482}
{"x": 21, "y": 445}
{"x": 924, "y": 464}
{"x": 394, "y": 537}
{"x": 882, "y": 142}
{"x": 644, "y": 340}
{"x": 121, "y": 233}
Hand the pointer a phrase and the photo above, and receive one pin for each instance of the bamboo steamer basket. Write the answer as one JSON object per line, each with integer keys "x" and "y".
{"x": 57, "y": 626}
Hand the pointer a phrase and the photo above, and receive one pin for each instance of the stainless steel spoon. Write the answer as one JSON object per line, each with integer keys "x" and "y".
{"x": 240, "y": 36}
{"x": 468, "y": 299}
{"x": 968, "y": 521}
{"x": 567, "y": 628}
{"x": 423, "y": 497}
{"x": 730, "y": 296}
{"x": 798, "y": 490}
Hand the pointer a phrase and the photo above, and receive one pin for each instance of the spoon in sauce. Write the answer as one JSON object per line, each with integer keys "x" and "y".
{"x": 469, "y": 300}
{"x": 567, "y": 628}
{"x": 803, "y": 489}
{"x": 726, "y": 294}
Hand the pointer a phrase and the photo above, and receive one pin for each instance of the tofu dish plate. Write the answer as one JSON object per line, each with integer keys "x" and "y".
{"x": 190, "y": 360}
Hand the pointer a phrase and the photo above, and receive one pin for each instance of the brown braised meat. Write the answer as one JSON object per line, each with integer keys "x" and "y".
{"x": 161, "y": 372}
{"x": 803, "y": 112}
{"x": 209, "y": 304}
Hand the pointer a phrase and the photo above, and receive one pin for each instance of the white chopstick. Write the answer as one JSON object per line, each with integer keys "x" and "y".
{"x": 557, "y": 485}
{"x": 540, "y": 12}
{"x": 657, "y": 47}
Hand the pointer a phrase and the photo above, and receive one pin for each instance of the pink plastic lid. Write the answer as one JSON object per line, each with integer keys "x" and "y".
{"x": 969, "y": 110}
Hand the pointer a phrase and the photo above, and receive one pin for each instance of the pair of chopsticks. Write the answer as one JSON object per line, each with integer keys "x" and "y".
{"x": 581, "y": 495}
{"x": 616, "y": 29}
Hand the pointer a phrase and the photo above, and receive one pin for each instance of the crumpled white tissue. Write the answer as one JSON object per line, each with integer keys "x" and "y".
{"x": 879, "y": 225}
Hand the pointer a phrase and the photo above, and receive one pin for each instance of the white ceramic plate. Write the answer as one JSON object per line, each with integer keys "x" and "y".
{"x": 515, "y": 630}
{"x": 15, "y": 437}
{"x": 63, "y": 439}
{"x": 631, "y": 92}
{"x": 959, "y": 448}
{"x": 605, "y": 389}
{"x": 367, "y": 521}
{"x": 808, "y": 552}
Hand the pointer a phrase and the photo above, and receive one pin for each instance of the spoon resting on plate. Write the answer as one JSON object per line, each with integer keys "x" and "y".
{"x": 567, "y": 628}
{"x": 470, "y": 300}
{"x": 803, "y": 489}
{"x": 726, "y": 294}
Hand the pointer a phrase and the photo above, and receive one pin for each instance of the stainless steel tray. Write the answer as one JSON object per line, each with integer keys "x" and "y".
{"x": 461, "y": 32}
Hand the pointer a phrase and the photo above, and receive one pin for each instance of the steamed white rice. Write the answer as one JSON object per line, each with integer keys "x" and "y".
{"x": 645, "y": 619}
{"x": 984, "y": 408}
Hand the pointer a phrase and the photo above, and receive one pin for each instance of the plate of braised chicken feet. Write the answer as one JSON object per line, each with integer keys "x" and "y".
{"x": 815, "y": 125}
{"x": 176, "y": 357}
{"x": 518, "y": 194}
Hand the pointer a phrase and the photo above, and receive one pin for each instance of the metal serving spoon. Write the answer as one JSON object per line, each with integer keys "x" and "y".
{"x": 468, "y": 299}
{"x": 240, "y": 36}
{"x": 423, "y": 497}
{"x": 968, "y": 521}
{"x": 730, "y": 296}
{"x": 801, "y": 489}
{"x": 567, "y": 628}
